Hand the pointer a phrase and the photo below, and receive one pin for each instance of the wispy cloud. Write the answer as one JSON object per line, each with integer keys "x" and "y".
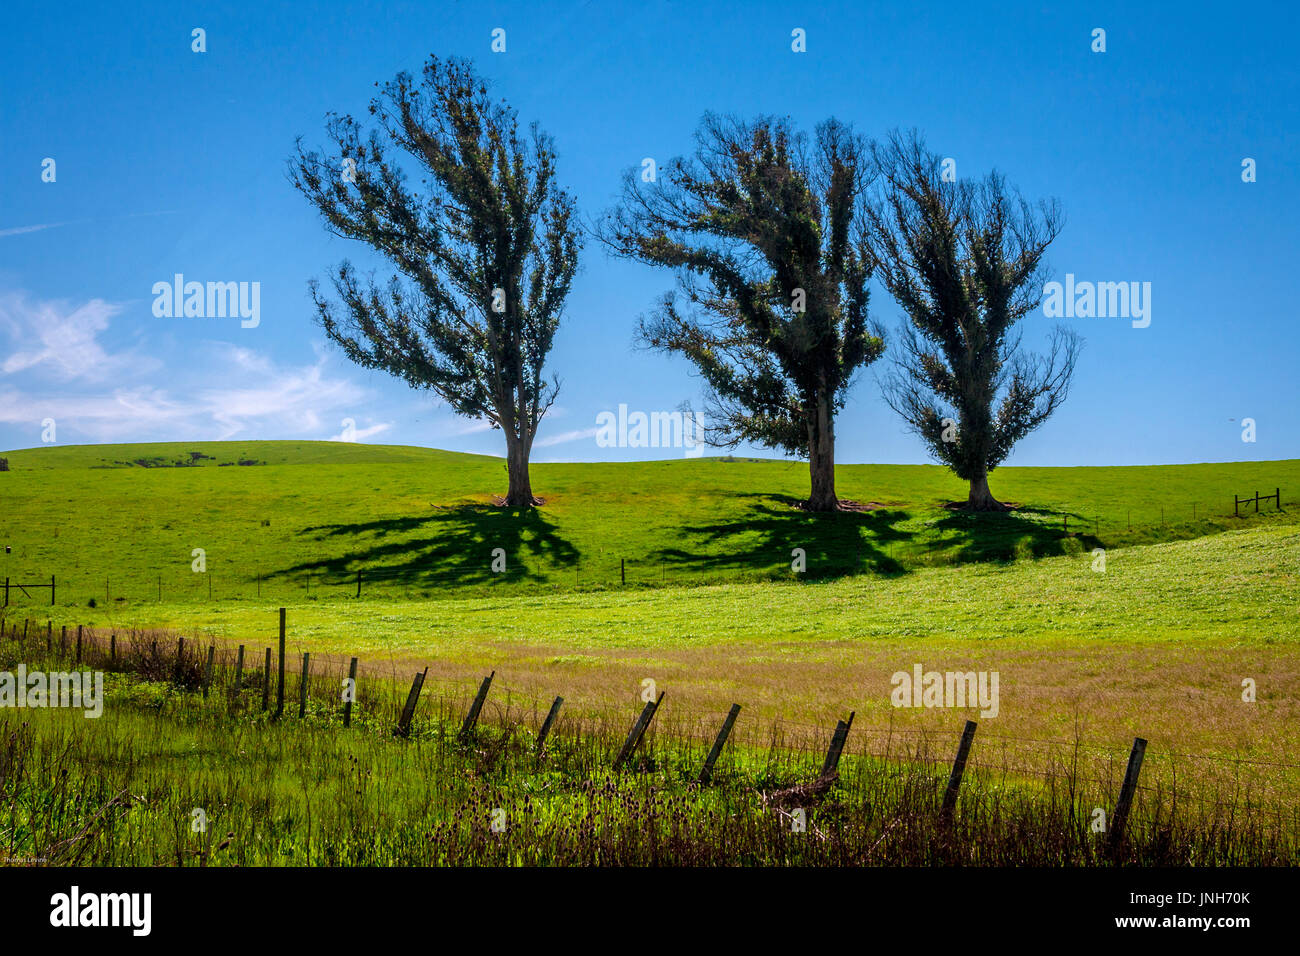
{"x": 58, "y": 368}
{"x": 19, "y": 230}
{"x": 62, "y": 340}
{"x": 361, "y": 434}
{"x": 565, "y": 437}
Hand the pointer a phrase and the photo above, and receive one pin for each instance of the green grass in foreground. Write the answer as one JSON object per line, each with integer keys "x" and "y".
{"x": 1157, "y": 645}
{"x": 118, "y": 524}
{"x": 308, "y": 792}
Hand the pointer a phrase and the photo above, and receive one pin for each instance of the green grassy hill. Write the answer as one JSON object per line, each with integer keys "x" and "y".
{"x": 289, "y": 520}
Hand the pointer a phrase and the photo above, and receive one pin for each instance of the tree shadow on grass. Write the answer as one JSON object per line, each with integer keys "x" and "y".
{"x": 765, "y": 537}
{"x": 451, "y": 546}
{"x": 967, "y": 536}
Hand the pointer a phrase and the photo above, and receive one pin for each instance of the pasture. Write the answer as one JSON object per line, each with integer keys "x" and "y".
{"x": 678, "y": 573}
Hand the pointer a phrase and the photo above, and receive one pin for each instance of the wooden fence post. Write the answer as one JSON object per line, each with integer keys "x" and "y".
{"x": 352, "y": 687}
{"x": 112, "y": 646}
{"x": 51, "y": 590}
{"x": 638, "y": 729}
{"x": 49, "y": 631}
{"x": 471, "y": 719}
{"x": 1119, "y": 821}
{"x": 408, "y": 712}
{"x": 63, "y": 641}
{"x": 707, "y": 773}
{"x": 958, "y": 768}
{"x": 546, "y": 724}
{"x": 279, "y": 692}
{"x": 302, "y": 686}
{"x": 207, "y": 671}
{"x": 358, "y": 582}
{"x": 266, "y": 682}
{"x": 832, "y": 762}
{"x": 239, "y": 668}
{"x": 78, "y": 643}
{"x": 622, "y": 570}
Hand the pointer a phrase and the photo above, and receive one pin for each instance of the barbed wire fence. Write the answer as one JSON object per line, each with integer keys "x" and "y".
{"x": 247, "y": 678}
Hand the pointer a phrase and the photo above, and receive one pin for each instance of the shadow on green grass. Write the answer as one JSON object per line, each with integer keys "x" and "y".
{"x": 765, "y": 538}
{"x": 964, "y": 536}
{"x": 451, "y": 546}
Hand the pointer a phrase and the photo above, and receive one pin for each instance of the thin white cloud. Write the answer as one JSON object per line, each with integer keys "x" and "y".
{"x": 456, "y": 427}
{"x": 19, "y": 230}
{"x": 361, "y": 434}
{"x": 61, "y": 340}
{"x": 68, "y": 375}
{"x": 566, "y": 437}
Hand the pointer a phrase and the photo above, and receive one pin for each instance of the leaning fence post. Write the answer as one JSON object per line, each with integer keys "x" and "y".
{"x": 467, "y": 728}
{"x": 279, "y": 691}
{"x": 707, "y": 773}
{"x": 404, "y": 723}
{"x": 302, "y": 687}
{"x": 958, "y": 768}
{"x": 546, "y": 724}
{"x": 351, "y": 694}
{"x": 1120, "y": 820}
{"x": 207, "y": 671}
{"x": 266, "y": 682}
{"x": 841, "y": 734}
{"x": 638, "y": 729}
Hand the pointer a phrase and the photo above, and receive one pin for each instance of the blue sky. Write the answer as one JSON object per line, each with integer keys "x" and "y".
{"x": 170, "y": 161}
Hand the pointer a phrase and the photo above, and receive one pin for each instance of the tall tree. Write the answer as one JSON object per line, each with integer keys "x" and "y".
{"x": 765, "y": 233}
{"x": 964, "y": 261}
{"x": 484, "y": 256}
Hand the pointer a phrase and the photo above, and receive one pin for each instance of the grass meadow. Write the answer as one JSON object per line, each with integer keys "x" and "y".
{"x": 172, "y": 775}
{"x": 677, "y": 573}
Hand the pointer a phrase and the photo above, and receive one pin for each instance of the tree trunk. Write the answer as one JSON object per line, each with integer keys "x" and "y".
{"x": 980, "y": 498}
{"x": 520, "y": 492}
{"x": 821, "y": 459}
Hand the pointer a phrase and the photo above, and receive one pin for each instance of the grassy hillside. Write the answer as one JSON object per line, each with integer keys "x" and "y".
{"x": 1157, "y": 645}
{"x": 291, "y": 520}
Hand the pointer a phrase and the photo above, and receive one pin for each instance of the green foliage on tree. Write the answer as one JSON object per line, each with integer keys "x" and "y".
{"x": 484, "y": 251}
{"x": 766, "y": 232}
{"x": 963, "y": 259}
